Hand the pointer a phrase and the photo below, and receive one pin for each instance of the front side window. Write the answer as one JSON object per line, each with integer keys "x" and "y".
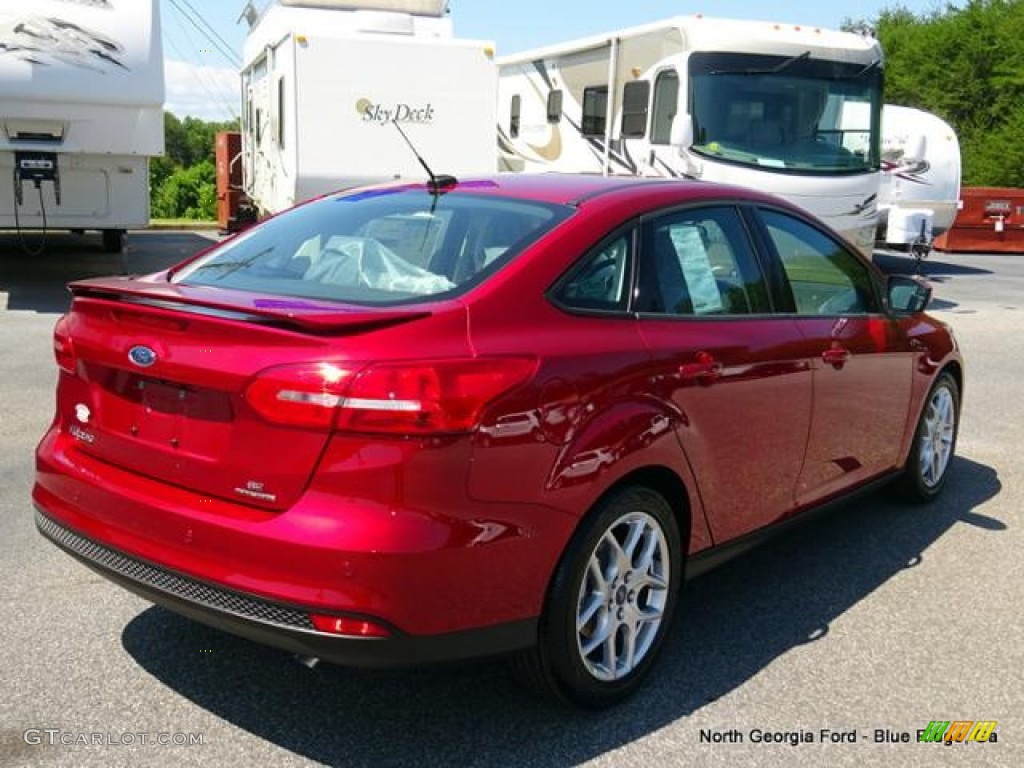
{"x": 787, "y": 114}
{"x": 825, "y": 277}
{"x": 666, "y": 104}
{"x": 377, "y": 247}
{"x": 699, "y": 262}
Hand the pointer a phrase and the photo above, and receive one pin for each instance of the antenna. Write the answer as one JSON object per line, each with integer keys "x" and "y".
{"x": 437, "y": 183}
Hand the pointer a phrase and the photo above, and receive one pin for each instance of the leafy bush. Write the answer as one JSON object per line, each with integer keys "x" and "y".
{"x": 187, "y": 193}
{"x": 183, "y": 183}
{"x": 965, "y": 63}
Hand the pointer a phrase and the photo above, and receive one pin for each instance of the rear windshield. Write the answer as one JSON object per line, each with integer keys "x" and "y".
{"x": 377, "y": 247}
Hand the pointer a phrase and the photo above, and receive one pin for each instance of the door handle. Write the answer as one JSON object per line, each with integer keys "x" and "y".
{"x": 704, "y": 369}
{"x": 836, "y": 356}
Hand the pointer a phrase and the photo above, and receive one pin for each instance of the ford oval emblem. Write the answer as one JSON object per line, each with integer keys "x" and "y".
{"x": 142, "y": 356}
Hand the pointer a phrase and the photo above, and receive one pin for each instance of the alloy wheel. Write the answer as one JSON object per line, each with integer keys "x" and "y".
{"x": 623, "y": 596}
{"x": 937, "y": 435}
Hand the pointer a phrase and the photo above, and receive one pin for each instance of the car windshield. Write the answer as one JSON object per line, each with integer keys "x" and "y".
{"x": 787, "y": 114}
{"x": 377, "y": 246}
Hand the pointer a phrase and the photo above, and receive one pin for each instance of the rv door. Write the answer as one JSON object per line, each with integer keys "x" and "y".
{"x": 671, "y": 131}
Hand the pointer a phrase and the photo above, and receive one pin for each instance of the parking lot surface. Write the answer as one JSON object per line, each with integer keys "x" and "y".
{"x": 832, "y": 645}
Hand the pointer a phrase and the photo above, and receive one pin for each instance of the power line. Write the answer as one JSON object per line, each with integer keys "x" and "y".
{"x": 209, "y": 85}
{"x": 200, "y": 70}
{"x": 211, "y": 28}
{"x": 226, "y": 52}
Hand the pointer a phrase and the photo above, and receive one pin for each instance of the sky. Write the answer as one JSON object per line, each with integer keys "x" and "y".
{"x": 201, "y": 82}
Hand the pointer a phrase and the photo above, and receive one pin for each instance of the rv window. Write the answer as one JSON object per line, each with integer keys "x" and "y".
{"x": 513, "y": 120}
{"x": 280, "y": 112}
{"x": 635, "y": 97}
{"x": 595, "y": 108}
{"x": 666, "y": 102}
{"x": 555, "y": 106}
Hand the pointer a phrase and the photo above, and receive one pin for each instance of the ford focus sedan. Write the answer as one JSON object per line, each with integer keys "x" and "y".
{"x": 419, "y": 423}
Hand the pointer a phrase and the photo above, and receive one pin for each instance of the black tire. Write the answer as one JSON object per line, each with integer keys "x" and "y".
{"x": 918, "y": 483}
{"x": 113, "y": 240}
{"x": 558, "y": 666}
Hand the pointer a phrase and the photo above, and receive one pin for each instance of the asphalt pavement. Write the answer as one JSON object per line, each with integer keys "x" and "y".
{"x": 865, "y": 624}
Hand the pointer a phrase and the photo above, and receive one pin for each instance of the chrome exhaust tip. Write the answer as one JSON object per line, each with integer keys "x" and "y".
{"x": 309, "y": 662}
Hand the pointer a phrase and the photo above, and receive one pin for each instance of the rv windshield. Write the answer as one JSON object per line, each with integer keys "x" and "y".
{"x": 377, "y": 246}
{"x": 787, "y": 113}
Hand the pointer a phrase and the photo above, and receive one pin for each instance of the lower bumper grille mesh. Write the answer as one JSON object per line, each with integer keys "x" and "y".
{"x": 171, "y": 583}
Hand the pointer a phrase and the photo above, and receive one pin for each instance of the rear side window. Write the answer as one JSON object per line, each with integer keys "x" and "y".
{"x": 377, "y": 247}
{"x": 699, "y": 262}
{"x": 601, "y": 281}
{"x": 825, "y": 277}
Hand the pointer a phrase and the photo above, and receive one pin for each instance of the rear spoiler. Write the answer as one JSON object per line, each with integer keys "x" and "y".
{"x": 280, "y": 311}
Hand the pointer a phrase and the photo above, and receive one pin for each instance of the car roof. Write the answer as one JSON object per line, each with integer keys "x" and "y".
{"x": 570, "y": 188}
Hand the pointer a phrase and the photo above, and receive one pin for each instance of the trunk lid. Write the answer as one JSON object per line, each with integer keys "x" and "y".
{"x": 161, "y": 372}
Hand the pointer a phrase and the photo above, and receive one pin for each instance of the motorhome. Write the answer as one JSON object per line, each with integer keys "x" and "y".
{"x": 81, "y": 114}
{"x": 790, "y": 109}
{"x": 329, "y": 87}
{"x": 919, "y": 194}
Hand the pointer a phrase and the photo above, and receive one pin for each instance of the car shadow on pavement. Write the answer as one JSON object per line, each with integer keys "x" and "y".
{"x": 39, "y": 283}
{"x": 730, "y": 627}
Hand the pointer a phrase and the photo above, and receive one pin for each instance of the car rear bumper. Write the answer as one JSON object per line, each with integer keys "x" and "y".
{"x": 279, "y": 625}
{"x": 434, "y": 564}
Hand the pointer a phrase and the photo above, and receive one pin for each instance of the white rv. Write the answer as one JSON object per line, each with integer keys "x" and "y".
{"x": 792, "y": 110}
{"x": 328, "y": 85}
{"x": 81, "y": 112}
{"x": 920, "y": 187}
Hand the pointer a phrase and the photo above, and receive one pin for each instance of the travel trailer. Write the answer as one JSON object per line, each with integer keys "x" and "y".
{"x": 919, "y": 194}
{"x": 329, "y": 86}
{"x": 793, "y": 110}
{"x": 81, "y": 114}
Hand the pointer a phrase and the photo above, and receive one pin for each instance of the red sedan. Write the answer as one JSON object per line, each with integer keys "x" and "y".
{"x": 424, "y": 422}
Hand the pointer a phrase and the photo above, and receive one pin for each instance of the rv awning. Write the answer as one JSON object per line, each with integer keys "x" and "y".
{"x": 415, "y": 7}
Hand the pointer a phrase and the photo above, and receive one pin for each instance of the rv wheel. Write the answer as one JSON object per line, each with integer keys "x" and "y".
{"x": 113, "y": 240}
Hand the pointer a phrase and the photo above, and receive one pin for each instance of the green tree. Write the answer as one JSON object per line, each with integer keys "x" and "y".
{"x": 189, "y": 193}
{"x": 182, "y": 183}
{"x": 965, "y": 64}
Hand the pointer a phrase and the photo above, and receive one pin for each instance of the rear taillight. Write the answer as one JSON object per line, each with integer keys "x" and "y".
{"x": 429, "y": 397}
{"x": 419, "y": 398}
{"x": 63, "y": 349}
{"x": 300, "y": 395}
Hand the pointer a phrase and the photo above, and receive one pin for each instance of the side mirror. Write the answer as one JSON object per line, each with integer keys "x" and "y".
{"x": 681, "y": 134}
{"x": 908, "y": 295}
